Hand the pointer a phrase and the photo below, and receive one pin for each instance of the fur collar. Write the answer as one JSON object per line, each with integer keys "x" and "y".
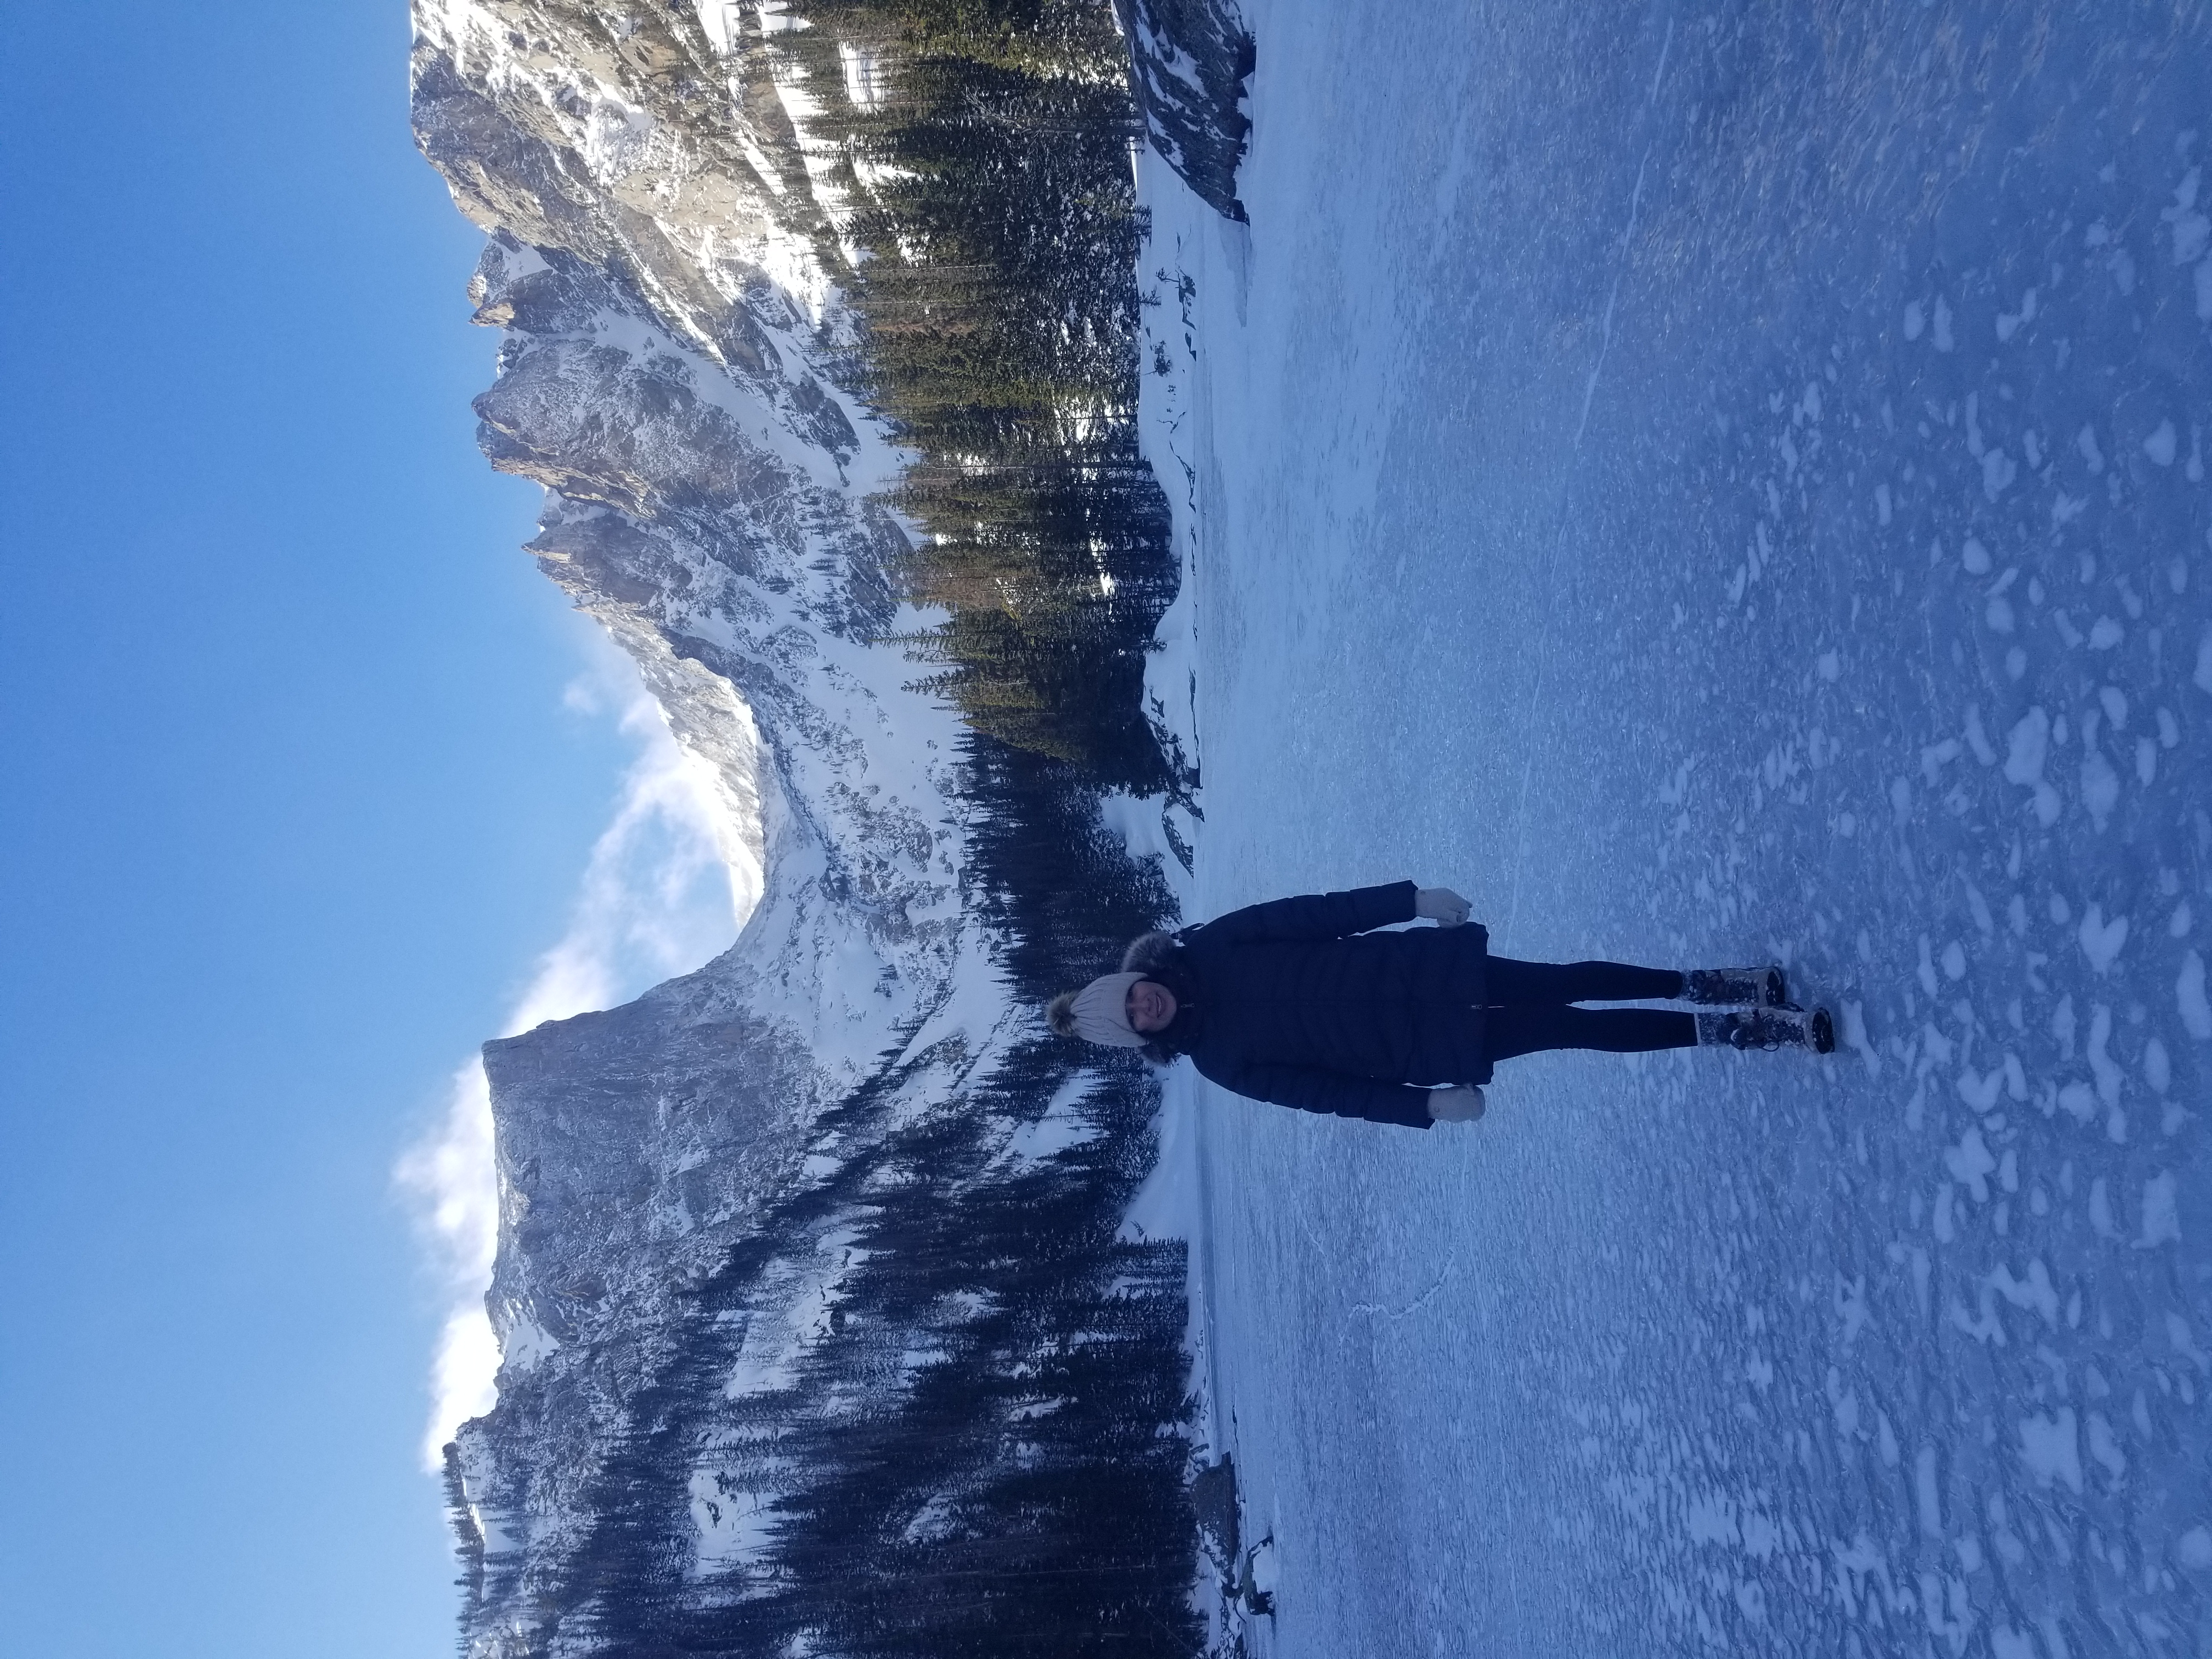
{"x": 1149, "y": 951}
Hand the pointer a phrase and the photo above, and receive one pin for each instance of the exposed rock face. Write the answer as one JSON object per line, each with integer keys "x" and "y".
{"x": 1189, "y": 61}
{"x": 693, "y": 1186}
{"x": 638, "y": 141}
{"x": 671, "y": 333}
{"x": 658, "y": 260}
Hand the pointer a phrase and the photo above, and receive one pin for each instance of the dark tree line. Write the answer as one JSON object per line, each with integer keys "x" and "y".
{"x": 999, "y": 234}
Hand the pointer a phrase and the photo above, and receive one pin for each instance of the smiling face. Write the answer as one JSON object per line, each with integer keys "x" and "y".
{"x": 1151, "y": 1005}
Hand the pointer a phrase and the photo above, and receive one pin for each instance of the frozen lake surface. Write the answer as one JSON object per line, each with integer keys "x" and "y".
{"x": 1716, "y": 486}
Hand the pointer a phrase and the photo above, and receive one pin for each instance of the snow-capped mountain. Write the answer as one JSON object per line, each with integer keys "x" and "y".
{"x": 669, "y": 327}
{"x": 707, "y": 502}
{"x": 737, "y": 1215}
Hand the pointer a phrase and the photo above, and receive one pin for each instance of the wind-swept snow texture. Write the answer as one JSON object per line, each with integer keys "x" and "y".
{"x": 1718, "y": 485}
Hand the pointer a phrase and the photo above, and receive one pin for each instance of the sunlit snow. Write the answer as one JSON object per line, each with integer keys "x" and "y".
{"x": 1716, "y": 491}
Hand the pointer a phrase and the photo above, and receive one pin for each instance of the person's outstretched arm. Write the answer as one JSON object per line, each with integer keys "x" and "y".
{"x": 1340, "y": 1094}
{"x": 1316, "y": 915}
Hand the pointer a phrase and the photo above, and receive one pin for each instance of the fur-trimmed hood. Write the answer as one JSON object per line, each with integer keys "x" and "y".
{"x": 1149, "y": 951}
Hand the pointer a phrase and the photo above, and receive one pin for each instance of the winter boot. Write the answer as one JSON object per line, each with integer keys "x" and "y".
{"x": 1769, "y": 1028}
{"x": 1743, "y": 987}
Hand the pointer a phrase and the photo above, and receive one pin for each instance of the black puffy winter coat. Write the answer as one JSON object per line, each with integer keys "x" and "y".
{"x": 1299, "y": 1003}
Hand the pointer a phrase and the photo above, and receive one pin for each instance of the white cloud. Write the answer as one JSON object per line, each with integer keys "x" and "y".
{"x": 667, "y": 887}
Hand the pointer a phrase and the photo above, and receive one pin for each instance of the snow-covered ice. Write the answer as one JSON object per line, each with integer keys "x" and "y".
{"x": 1719, "y": 485}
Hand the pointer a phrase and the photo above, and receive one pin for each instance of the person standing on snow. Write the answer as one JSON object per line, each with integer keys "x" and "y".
{"x": 1300, "y": 1003}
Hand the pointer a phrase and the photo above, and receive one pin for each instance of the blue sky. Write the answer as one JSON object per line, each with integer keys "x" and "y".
{"x": 296, "y": 789}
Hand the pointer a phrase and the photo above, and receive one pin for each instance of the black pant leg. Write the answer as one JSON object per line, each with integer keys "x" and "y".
{"x": 1512, "y": 981}
{"x": 1531, "y": 1027}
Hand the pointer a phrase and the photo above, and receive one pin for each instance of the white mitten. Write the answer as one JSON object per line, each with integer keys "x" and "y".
{"x": 1461, "y": 1103}
{"x": 1440, "y": 905}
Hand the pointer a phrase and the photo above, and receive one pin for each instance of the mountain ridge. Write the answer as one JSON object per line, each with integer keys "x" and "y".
{"x": 786, "y": 1259}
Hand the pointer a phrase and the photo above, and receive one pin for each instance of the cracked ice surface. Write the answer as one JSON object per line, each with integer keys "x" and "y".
{"x": 1716, "y": 488}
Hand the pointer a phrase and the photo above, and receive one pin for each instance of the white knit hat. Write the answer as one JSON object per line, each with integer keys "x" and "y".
{"x": 1102, "y": 1012}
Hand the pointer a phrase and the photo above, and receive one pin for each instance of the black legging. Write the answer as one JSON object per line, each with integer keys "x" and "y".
{"x": 1531, "y": 1008}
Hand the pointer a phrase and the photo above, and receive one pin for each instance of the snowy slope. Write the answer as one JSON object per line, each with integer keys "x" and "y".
{"x": 758, "y": 1378}
{"x": 1718, "y": 488}
{"x": 671, "y": 339}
